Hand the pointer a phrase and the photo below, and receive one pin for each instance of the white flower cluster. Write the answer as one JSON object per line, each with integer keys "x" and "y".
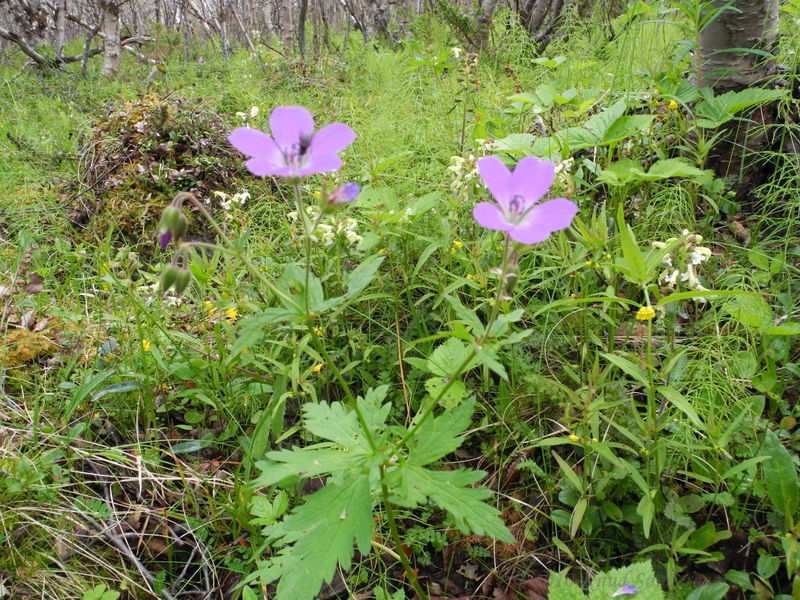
{"x": 251, "y": 114}
{"x": 563, "y": 169}
{"x": 464, "y": 171}
{"x": 335, "y": 228}
{"x": 226, "y": 201}
{"x": 682, "y": 261}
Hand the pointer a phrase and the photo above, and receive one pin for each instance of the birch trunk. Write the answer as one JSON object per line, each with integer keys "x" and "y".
{"x": 301, "y": 27}
{"x": 754, "y": 25}
{"x": 112, "y": 49}
{"x": 61, "y": 28}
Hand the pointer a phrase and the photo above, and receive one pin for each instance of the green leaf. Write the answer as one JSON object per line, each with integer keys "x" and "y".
{"x": 449, "y": 356}
{"x": 439, "y": 436}
{"x": 360, "y": 277}
{"x": 780, "y": 476}
{"x": 561, "y": 588}
{"x": 751, "y": 310}
{"x": 638, "y": 574}
{"x": 681, "y": 404}
{"x": 634, "y": 267}
{"x": 711, "y": 591}
{"x": 454, "y": 394}
{"x": 628, "y": 367}
{"x": 318, "y": 536}
{"x": 451, "y": 491}
{"x": 787, "y": 328}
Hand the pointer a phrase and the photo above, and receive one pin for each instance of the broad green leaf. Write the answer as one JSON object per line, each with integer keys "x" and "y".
{"x": 452, "y": 491}
{"x": 363, "y": 274}
{"x": 453, "y": 395}
{"x": 626, "y": 126}
{"x": 448, "y": 357}
{"x": 318, "y": 536}
{"x": 711, "y": 591}
{"x": 634, "y": 268}
{"x": 601, "y": 123}
{"x": 439, "y": 436}
{"x": 780, "y": 476}
{"x": 639, "y": 575}
{"x": 751, "y": 310}
{"x": 561, "y": 588}
{"x": 787, "y": 328}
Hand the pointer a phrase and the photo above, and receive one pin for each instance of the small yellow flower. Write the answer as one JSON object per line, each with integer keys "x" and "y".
{"x": 458, "y": 244}
{"x": 232, "y": 315}
{"x": 595, "y": 440}
{"x": 588, "y": 263}
{"x": 574, "y": 438}
{"x": 245, "y": 351}
{"x": 645, "y": 313}
{"x": 471, "y": 277}
{"x": 146, "y": 345}
{"x": 317, "y": 193}
{"x": 608, "y": 256}
{"x": 209, "y": 306}
{"x": 317, "y": 368}
{"x": 672, "y": 105}
{"x": 318, "y": 331}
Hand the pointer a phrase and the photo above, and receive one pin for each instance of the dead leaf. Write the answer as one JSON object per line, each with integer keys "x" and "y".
{"x": 536, "y": 588}
{"x": 35, "y": 285}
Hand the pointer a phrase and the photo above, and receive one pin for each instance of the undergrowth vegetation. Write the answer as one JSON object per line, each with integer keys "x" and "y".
{"x": 309, "y": 383}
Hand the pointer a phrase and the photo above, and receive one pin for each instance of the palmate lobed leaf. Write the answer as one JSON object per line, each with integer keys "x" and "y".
{"x": 318, "y": 536}
{"x": 439, "y": 436}
{"x": 451, "y": 491}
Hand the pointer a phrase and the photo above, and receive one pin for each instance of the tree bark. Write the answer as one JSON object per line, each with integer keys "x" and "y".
{"x": 483, "y": 23}
{"x": 753, "y": 26}
{"x": 61, "y": 28}
{"x": 112, "y": 48}
{"x": 301, "y": 27}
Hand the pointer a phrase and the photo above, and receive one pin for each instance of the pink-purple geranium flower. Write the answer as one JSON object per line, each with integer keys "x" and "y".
{"x": 517, "y": 209}
{"x": 293, "y": 150}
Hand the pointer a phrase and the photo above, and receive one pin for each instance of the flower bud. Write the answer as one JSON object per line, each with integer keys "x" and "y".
{"x": 170, "y": 218}
{"x": 182, "y": 280}
{"x": 169, "y": 276}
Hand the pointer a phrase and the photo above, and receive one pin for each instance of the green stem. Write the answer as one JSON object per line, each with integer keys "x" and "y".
{"x": 307, "y": 231}
{"x": 250, "y": 266}
{"x": 398, "y": 542}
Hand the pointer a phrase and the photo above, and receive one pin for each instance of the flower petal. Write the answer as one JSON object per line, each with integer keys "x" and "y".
{"x": 496, "y": 177}
{"x": 543, "y": 219}
{"x": 252, "y": 142}
{"x": 490, "y": 216}
{"x": 531, "y": 179}
{"x": 290, "y": 123}
{"x": 262, "y": 166}
{"x": 320, "y": 164}
{"x": 330, "y": 139}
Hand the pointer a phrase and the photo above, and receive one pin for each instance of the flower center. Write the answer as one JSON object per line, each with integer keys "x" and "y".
{"x": 516, "y": 208}
{"x": 295, "y": 155}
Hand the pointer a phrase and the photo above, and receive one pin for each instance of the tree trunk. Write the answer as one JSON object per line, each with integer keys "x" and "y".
{"x": 112, "y": 49}
{"x": 301, "y": 27}
{"x": 753, "y": 26}
{"x": 483, "y": 23}
{"x": 285, "y": 23}
{"x": 61, "y": 28}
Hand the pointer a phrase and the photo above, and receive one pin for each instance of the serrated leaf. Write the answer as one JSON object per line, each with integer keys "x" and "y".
{"x": 452, "y": 396}
{"x": 639, "y": 575}
{"x": 561, "y": 588}
{"x": 341, "y": 515}
{"x": 439, "y": 436}
{"x": 451, "y": 491}
{"x": 449, "y": 356}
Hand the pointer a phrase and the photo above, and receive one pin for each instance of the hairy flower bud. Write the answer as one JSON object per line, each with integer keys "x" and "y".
{"x": 169, "y": 276}
{"x": 182, "y": 281}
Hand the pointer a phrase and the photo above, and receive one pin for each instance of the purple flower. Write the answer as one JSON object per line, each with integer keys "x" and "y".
{"x": 626, "y": 590}
{"x": 518, "y": 210}
{"x": 344, "y": 193}
{"x": 294, "y": 150}
{"x": 164, "y": 239}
